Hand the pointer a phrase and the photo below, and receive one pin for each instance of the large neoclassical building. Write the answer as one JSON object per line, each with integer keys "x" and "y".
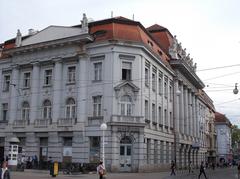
{"x": 58, "y": 85}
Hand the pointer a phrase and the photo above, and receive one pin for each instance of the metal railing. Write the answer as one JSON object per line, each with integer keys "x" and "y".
{"x": 42, "y": 122}
{"x": 66, "y": 122}
{"x": 20, "y": 123}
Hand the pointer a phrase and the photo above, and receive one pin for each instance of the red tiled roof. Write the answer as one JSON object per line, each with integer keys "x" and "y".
{"x": 156, "y": 27}
{"x": 221, "y": 118}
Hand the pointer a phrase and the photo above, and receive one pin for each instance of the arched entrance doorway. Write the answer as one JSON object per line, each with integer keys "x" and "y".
{"x": 125, "y": 157}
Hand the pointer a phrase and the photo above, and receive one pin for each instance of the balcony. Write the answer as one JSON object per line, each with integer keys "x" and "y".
{"x": 95, "y": 120}
{"x": 20, "y": 123}
{"x": 38, "y": 123}
{"x": 128, "y": 120}
{"x": 66, "y": 122}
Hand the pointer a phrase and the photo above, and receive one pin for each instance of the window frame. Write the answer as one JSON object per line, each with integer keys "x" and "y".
{"x": 128, "y": 72}
{"x": 48, "y": 77}
{"x": 47, "y": 109}
{"x": 70, "y": 108}
{"x": 97, "y": 71}
{"x": 25, "y": 111}
{"x": 71, "y": 74}
{"x": 26, "y": 80}
{"x": 6, "y": 82}
{"x": 97, "y": 105}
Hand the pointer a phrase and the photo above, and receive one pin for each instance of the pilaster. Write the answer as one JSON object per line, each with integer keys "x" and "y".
{"x": 57, "y": 86}
{"x": 14, "y": 93}
{"x": 34, "y": 91}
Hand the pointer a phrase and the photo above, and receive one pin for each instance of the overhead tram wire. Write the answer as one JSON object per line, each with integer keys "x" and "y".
{"x": 216, "y": 68}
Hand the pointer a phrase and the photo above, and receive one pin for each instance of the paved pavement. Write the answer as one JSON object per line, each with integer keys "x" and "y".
{"x": 229, "y": 173}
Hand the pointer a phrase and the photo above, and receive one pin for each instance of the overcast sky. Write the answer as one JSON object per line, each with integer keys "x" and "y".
{"x": 209, "y": 29}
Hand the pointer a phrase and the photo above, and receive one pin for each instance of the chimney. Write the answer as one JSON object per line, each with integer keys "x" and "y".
{"x": 18, "y": 40}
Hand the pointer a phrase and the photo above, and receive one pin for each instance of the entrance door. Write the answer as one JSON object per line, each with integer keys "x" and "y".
{"x": 125, "y": 157}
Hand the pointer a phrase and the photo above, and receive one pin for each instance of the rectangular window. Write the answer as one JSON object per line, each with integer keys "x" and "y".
{"x": 48, "y": 77}
{"x": 98, "y": 71}
{"x": 4, "y": 111}
{"x": 97, "y": 105}
{"x": 26, "y": 80}
{"x": 126, "y": 70}
{"x": 154, "y": 82}
{"x": 165, "y": 117}
{"x": 166, "y": 87}
{"x": 146, "y": 109}
{"x": 171, "y": 119}
{"x": 94, "y": 149}
{"x": 171, "y": 91}
{"x": 160, "y": 83}
{"x": 153, "y": 113}
{"x": 147, "y": 77}
{"x": 160, "y": 115}
{"x": 71, "y": 74}
{"x": 6, "y": 83}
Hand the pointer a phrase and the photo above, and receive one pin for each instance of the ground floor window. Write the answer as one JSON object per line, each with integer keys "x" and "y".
{"x": 94, "y": 153}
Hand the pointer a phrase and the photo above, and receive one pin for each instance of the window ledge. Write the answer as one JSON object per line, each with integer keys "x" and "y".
{"x": 96, "y": 81}
{"x": 47, "y": 86}
{"x": 70, "y": 83}
{"x": 26, "y": 88}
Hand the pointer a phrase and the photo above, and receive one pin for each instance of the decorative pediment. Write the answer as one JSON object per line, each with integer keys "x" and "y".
{"x": 52, "y": 33}
{"x": 126, "y": 87}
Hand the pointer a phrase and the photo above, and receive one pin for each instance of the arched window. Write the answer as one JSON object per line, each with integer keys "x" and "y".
{"x": 70, "y": 108}
{"x": 126, "y": 105}
{"x": 25, "y": 110}
{"x": 47, "y": 109}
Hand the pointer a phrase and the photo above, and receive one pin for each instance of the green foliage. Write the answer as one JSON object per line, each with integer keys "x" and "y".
{"x": 235, "y": 135}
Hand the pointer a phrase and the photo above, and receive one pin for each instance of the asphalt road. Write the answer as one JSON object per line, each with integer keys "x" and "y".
{"x": 229, "y": 173}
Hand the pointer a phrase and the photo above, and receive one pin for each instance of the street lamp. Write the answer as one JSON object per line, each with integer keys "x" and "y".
{"x": 103, "y": 127}
{"x": 175, "y": 132}
{"x": 235, "y": 90}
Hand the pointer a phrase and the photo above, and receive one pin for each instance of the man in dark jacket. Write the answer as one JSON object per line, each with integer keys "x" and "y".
{"x": 4, "y": 172}
{"x": 202, "y": 171}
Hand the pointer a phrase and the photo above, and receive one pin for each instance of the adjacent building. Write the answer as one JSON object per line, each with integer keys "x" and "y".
{"x": 224, "y": 141}
{"x": 58, "y": 85}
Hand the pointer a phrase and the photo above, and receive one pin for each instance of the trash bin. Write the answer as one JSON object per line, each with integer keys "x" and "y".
{"x": 54, "y": 169}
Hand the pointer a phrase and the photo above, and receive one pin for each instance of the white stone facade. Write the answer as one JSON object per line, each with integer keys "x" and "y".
{"x": 62, "y": 90}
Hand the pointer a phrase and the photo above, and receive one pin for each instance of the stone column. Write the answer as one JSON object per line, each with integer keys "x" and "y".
{"x": 31, "y": 144}
{"x": 164, "y": 152}
{"x": 181, "y": 117}
{"x": 55, "y": 149}
{"x": 34, "y": 91}
{"x": 190, "y": 111}
{"x": 195, "y": 115}
{"x": 57, "y": 87}
{"x": 82, "y": 89}
{"x": 115, "y": 151}
{"x": 142, "y": 155}
{"x": 176, "y": 105}
{"x": 186, "y": 111}
{"x": 78, "y": 154}
{"x": 14, "y": 93}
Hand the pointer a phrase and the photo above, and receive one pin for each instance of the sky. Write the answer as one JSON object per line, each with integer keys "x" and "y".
{"x": 208, "y": 29}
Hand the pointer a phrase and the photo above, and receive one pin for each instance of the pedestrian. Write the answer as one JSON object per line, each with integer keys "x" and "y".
{"x": 202, "y": 171}
{"x": 101, "y": 170}
{"x": 238, "y": 168}
{"x": 190, "y": 167}
{"x": 173, "y": 168}
{"x": 4, "y": 172}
